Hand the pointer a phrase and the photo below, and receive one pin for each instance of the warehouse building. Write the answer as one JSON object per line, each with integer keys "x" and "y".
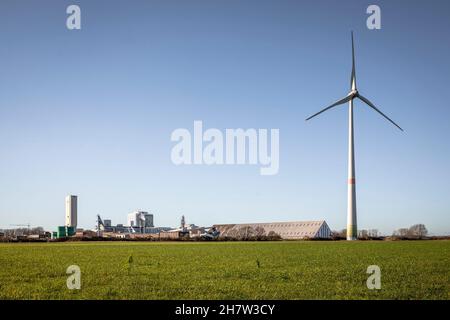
{"x": 286, "y": 230}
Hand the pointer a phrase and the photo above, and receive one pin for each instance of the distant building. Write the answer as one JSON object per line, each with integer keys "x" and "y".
{"x": 140, "y": 219}
{"x": 195, "y": 231}
{"x": 136, "y": 230}
{"x": 286, "y": 230}
{"x": 172, "y": 234}
{"x": 107, "y": 222}
{"x": 71, "y": 211}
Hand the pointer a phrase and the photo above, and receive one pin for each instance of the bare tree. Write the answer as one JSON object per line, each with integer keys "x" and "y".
{"x": 259, "y": 232}
{"x": 363, "y": 234}
{"x": 272, "y": 235}
{"x": 339, "y": 235}
{"x": 373, "y": 233}
{"x": 418, "y": 231}
{"x": 402, "y": 232}
{"x": 246, "y": 232}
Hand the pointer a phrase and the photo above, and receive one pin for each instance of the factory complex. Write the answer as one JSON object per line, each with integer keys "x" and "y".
{"x": 140, "y": 225}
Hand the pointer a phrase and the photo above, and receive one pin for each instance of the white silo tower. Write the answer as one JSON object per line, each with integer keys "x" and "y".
{"x": 71, "y": 211}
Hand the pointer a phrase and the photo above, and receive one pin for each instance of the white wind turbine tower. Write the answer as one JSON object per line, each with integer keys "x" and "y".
{"x": 351, "y": 205}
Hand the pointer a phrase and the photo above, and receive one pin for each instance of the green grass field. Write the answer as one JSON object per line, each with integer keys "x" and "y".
{"x": 226, "y": 270}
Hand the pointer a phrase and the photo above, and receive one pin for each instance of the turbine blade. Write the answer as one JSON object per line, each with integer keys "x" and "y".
{"x": 353, "y": 77}
{"x": 370, "y": 104}
{"x": 344, "y": 100}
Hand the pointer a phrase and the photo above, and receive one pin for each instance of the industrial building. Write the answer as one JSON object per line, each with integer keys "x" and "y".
{"x": 140, "y": 219}
{"x": 71, "y": 211}
{"x": 138, "y": 222}
{"x": 69, "y": 229}
{"x": 286, "y": 230}
{"x": 120, "y": 228}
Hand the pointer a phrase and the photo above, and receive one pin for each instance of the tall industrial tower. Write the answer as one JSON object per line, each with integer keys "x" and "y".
{"x": 183, "y": 222}
{"x": 71, "y": 211}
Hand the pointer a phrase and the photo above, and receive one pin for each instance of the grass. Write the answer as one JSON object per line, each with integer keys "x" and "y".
{"x": 226, "y": 270}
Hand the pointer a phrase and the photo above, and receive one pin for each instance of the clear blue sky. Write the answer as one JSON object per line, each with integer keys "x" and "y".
{"x": 90, "y": 112}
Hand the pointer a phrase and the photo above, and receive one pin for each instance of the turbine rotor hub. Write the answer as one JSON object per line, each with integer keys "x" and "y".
{"x": 353, "y": 93}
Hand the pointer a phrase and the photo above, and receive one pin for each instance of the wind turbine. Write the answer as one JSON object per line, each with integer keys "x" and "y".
{"x": 351, "y": 196}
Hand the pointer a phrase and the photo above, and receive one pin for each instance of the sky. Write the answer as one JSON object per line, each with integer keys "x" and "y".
{"x": 90, "y": 112}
